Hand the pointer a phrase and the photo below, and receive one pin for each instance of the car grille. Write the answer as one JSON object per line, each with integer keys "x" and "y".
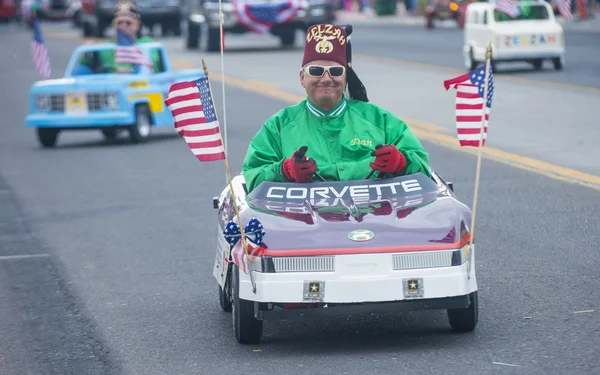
{"x": 95, "y": 102}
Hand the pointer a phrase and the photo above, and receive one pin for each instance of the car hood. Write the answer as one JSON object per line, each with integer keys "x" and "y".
{"x": 96, "y": 82}
{"x": 433, "y": 217}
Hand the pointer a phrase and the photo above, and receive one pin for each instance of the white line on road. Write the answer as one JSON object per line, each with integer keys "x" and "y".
{"x": 16, "y": 257}
{"x": 505, "y": 364}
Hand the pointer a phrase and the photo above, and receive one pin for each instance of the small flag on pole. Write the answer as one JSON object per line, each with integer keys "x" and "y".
{"x": 40, "y": 52}
{"x": 564, "y": 8}
{"x": 508, "y": 7}
{"x": 128, "y": 52}
{"x": 193, "y": 110}
{"x": 470, "y": 105}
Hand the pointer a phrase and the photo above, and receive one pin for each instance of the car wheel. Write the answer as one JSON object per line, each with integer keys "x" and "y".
{"x": 465, "y": 320}
{"x": 140, "y": 131}
{"x": 558, "y": 62}
{"x": 224, "y": 299}
{"x": 214, "y": 39}
{"x": 193, "y": 35}
{"x": 247, "y": 329}
{"x": 47, "y": 137}
{"x": 176, "y": 26}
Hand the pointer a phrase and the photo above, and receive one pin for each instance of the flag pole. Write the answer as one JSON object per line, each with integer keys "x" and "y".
{"x": 478, "y": 170}
{"x": 235, "y": 206}
{"x": 222, "y": 33}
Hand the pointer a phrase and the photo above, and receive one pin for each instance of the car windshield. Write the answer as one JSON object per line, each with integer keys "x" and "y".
{"x": 533, "y": 12}
{"x": 94, "y": 62}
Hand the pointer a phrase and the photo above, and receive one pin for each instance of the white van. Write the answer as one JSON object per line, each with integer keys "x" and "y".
{"x": 533, "y": 36}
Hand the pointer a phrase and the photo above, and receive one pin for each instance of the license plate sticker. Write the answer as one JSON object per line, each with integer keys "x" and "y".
{"x": 76, "y": 103}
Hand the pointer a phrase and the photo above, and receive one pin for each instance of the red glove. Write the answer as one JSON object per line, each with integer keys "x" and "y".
{"x": 388, "y": 159}
{"x": 298, "y": 168}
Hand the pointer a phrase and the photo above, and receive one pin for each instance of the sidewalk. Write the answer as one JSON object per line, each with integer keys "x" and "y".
{"x": 401, "y": 18}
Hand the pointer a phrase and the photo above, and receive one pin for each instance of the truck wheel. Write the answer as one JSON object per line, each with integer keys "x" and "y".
{"x": 192, "y": 40}
{"x": 470, "y": 63}
{"x": 537, "y": 64}
{"x": 176, "y": 26}
{"x": 213, "y": 43}
{"x": 288, "y": 37}
{"x": 47, "y": 136}
{"x": 247, "y": 329}
{"x": 558, "y": 62}
{"x": 465, "y": 320}
{"x": 140, "y": 131}
{"x": 110, "y": 133}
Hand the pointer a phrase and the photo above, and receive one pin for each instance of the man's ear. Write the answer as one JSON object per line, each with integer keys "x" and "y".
{"x": 302, "y": 78}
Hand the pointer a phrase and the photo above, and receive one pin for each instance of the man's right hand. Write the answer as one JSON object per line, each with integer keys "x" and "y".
{"x": 298, "y": 168}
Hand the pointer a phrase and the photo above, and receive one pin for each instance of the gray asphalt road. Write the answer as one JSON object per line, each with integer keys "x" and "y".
{"x": 124, "y": 237}
{"x": 444, "y": 47}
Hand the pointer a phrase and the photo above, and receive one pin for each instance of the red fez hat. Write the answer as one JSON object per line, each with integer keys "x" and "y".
{"x": 325, "y": 42}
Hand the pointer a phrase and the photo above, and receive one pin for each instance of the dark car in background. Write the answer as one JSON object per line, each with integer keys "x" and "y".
{"x": 97, "y": 15}
{"x": 204, "y": 15}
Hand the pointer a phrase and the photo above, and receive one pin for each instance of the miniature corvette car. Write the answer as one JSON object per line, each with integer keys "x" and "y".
{"x": 328, "y": 248}
{"x": 92, "y": 96}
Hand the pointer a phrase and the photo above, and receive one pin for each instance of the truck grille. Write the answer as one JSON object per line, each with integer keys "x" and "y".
{"x": 57, "y": 103}
{"x": 95, "y": 102}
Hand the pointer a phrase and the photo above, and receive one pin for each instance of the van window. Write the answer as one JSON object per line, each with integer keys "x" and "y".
{"x": 534, "y": 12}
{"x": 485, "y": 15}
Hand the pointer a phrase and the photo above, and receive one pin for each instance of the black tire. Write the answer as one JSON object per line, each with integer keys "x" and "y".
{"x": 247, "y": 329}
{"x": 192, "y": 40}
{"x": 288, "y": 37}
{"x": 213, "y": 44}
{"x": 465, "y": 320}
{"x": 176, "y": 26}
{"x": 47, "y": 136}
{"x": 558, "y": 63}
{"x": 110, "y": 133}
{"x": 224, "y": 300}
{"x": 140, "y": 131}
{"x": 537, "y": 64}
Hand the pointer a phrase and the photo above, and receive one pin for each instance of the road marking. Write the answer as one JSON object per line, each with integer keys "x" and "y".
{"x": 584, "y": 311}
{"x": 17, "y": 257}
{"x": 506, "y": 364}
{"x": 427, "y": 132}
{"x": 497, "y": 77}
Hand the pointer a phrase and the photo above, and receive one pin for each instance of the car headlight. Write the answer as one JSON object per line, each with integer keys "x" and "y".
{"x": 42, "y": 102}
{"x": 112, "y": 101}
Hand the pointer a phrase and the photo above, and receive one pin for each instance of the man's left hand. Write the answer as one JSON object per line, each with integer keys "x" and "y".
{"x": 388, "y": 159}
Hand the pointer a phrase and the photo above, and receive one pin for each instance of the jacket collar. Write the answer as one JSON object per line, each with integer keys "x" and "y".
{"x": 338, "y": 110}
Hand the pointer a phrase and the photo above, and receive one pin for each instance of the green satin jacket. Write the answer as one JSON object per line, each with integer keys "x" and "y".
{"x": 340, "y": 141}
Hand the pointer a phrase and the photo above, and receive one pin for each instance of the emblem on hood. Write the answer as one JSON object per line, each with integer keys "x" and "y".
{"x": 361, "y": 235}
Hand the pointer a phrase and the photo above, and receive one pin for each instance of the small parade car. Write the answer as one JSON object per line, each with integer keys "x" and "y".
{"x": 530, "y": 34}
{"x": 332, "y": 248}
{"x": 92, "y": 96}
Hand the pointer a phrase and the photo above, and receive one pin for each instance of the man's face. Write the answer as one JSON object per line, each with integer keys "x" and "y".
{"x": 327, "y": 90}
{"x": 128, "y": 24}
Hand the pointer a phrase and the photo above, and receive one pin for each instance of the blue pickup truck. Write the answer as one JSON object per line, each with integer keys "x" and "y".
{"x": 91, "y": 96}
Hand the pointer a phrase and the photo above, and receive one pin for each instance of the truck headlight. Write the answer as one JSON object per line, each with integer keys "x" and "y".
{"x": 112, "y": 101}
{"x": 42, "y": 102}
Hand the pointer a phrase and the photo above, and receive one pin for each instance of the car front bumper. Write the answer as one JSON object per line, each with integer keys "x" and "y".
{"x": 362, "y": 278}
{"x": 92, "y": 120}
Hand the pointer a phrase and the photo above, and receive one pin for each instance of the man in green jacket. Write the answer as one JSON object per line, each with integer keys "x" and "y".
{"x": 340, "y": 138}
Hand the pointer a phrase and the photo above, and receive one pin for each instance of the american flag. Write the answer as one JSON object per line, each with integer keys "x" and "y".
{"x": 470, "y": 105}
{"x": 564, "y": 8}
{"x": 193, "y": 109}
{"x": 128, "y": 52}
{"x": 261, "y": 17}
{"x": 40, "y": 52}
{"x": 509, "y": 7}
{"x": 254, "y": 233}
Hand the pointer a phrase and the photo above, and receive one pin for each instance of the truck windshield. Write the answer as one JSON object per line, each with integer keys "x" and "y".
{"x": 532, "y": 12}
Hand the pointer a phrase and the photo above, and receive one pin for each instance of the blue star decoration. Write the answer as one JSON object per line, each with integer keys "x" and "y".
{"x": 254, "y": 232}
{"x": 207, "y": 103}
{"x": 477, "y": 78}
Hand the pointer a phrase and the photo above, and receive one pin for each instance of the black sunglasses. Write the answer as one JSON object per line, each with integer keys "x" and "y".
{"x": 319, "y": 71}
{"x": 127, "y": 23}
